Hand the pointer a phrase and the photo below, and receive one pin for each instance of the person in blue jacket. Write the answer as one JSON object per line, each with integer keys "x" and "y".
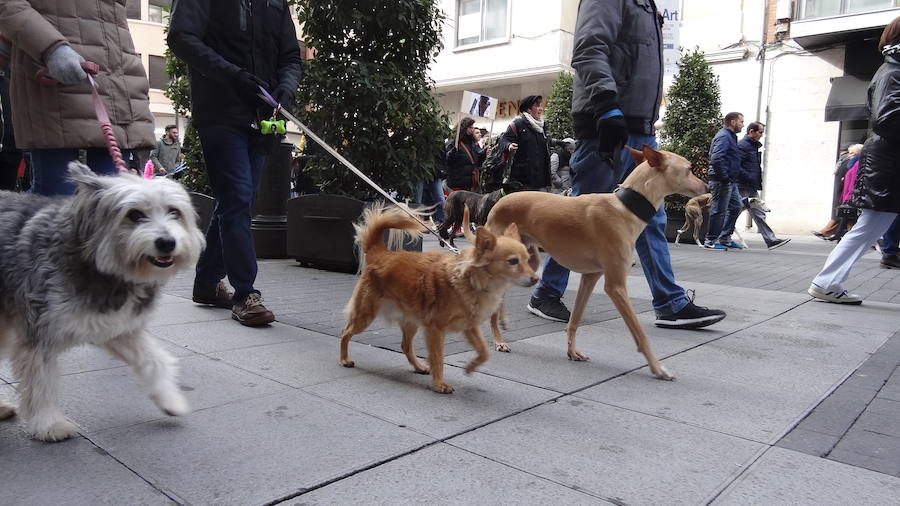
{"x": 723, "y": 173}
{"x": 750, "y": 182}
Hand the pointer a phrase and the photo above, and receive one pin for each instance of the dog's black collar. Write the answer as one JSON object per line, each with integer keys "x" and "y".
{"x": 636, "y": 203}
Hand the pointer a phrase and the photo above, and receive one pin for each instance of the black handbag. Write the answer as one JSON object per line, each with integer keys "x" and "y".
{"x": 847, "y": 211}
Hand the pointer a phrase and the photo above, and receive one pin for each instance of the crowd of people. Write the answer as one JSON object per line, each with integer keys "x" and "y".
{"x": 616, "y": 100}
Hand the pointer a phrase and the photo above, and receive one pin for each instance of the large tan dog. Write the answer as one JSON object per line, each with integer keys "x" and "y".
{"x": 594, "y": 235}
{"x": 435, "y": 290}
{"x": 693, "y": 217}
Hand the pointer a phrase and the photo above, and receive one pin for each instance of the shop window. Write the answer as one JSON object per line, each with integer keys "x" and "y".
{"x": 133, "y": 9}
{"x": 481, "y": 21}
{"x": 809, "y": 9}
{"x": 158, "y": 76}
{"x": 159, "y": 11}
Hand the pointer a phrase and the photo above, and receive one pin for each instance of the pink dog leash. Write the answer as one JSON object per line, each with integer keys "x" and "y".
{"x": 112, "y": 145}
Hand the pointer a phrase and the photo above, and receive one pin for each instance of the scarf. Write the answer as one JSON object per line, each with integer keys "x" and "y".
{"x": 537, "y": 126}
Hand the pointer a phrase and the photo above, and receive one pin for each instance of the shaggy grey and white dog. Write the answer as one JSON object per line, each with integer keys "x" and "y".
{"x": 87, "y": 269}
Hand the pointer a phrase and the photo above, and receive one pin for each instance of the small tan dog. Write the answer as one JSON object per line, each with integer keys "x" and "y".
{"x": 693, "y": 217}
{"x": 440, "y": 292}
{"x": 594, "y": 235}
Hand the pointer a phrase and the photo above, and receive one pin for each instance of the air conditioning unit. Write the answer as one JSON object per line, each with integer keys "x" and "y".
{"x": 784, "y": 10}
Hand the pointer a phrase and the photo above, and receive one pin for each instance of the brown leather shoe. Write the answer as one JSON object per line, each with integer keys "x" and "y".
{"x": 251, "y": 312}
{"x": 218, "y": 296}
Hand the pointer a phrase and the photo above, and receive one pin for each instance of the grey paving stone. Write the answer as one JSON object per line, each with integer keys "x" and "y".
{"x": 881, "y": 417}
{"x": 837, "y": 412}
{"x": 220, "y": 335}
{"x": 809, "y": 442}
{"x": 753, "y": 411}
{"x": 870, "y": 450}
{"x": 442, "y": 474}
{"x": 891, "y": 389}
{"x": 70, "y": 472}
{"x": 620, "y": 455}
{"x": 90, "y": 358}
{"x": 869, "y": 315}
{"x": 257, "y": 451}
{"x": 186, "y": 311}
{"x": 784, "y": 477}
{"x": 115, "y": 397}
{"x": 402, "y": 397}
{"x": 310, "y": 360}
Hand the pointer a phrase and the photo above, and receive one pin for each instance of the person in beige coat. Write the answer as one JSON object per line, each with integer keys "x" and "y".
{"x": 54, "y": 121}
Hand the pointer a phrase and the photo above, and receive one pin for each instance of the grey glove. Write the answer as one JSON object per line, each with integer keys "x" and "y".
{"x": 64, "y": 65}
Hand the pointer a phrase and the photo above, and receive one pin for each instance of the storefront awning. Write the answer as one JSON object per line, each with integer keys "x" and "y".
{"x": 847, "y": 99}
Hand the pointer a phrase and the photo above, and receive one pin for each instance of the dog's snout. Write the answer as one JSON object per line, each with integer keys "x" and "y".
{"x": 165, "y": 244}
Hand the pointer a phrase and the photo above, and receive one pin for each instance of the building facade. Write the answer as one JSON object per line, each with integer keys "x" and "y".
{"x": 505, "y": 49}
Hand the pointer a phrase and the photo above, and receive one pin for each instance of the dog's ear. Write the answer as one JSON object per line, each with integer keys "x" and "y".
{"x": 485, "y": 242}
{"x": 636, "y": 155}
{"x": 653, "y": 157}
{"x": 512, "y": 231}
{"x": 84, "y": 178}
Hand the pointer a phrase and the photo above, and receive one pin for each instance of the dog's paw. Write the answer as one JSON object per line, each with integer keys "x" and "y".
{"x": 664, "y": 374}
{"x": 422, "y": 370}
{"x": 442, "y": 388}
{"x": 54, "y": 431}
{"x": 171, "y": 403}
{"x": 348, "y": 363}
{"x": 577, "y": 356}
{"x": 7, "y": 410}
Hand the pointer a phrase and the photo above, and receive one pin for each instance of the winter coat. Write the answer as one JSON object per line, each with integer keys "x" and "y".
{"x": 618, "y": 62}
{"x": 463, "y": 163}
{"x": 878, "y": 181}
{"x": 850, "y": 180}
{"x": 531, "y": 162}
{"x": 250, "y": 35}
{"x": 166, "y": 154}
{"x": 750, "y": 177}
{"x": 724, "y": 157}
{"x": 63, "y": 116}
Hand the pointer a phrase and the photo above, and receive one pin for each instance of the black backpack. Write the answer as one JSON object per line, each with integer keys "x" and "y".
{"x": 495, "y": 169}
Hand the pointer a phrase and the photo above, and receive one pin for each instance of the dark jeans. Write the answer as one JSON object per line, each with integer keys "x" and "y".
{"x": 431, "y": 193}
{"x": 591, "y": 174}
{"x": 51, "y": 168}
{"x": 891, "y": 239}
{"x": 234, "y": 160}
{"x": 9, "y": 169}
{"x": 726, "y": 206}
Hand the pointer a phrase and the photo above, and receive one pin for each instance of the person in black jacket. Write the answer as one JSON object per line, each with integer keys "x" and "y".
{"x": 231, "y": 51}
{"x": 877, "y": 190}
{"x": 464, "y": 158}
{"x": 528, "y": 146}
{"x": 723, "y": 173}
{"x": 750, "y": 182}
{"x": 10, "y": 156}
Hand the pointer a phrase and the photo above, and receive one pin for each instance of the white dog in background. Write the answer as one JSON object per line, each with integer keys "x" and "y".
{"x": 87, "y": 270}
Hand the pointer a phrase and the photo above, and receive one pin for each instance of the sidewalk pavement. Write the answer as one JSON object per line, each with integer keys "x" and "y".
{"x": 786, "y": 401}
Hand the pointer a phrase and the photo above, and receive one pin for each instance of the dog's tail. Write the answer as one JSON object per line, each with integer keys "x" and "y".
{"x": 467, "y": 226}
{"x": 381, "y": 218}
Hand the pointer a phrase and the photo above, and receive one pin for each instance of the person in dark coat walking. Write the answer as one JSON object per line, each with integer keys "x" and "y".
{"x": 877, "y": 191}
{"x": 528, "y": 145}
{"x": 750, "y": 182}
{"x": 464, "y": 159}
{"x": 231, "y": 51}
{"x": 724, "y": 170}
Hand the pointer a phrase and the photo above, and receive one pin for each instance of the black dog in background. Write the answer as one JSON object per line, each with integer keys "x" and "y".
{"x": 479, "y": 207}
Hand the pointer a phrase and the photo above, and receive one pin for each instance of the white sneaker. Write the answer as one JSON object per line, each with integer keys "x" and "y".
{"x": 842, "y": 297}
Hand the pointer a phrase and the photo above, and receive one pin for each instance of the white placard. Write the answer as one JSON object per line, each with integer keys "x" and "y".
{"x": 670, "y": 32}
{"x": 476, "y": 104}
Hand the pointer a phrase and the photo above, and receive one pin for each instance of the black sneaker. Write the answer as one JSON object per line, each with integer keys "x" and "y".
{"x": 890, "y": 262}
{"x": 549, "y": 308}
{"x": 777, "y": 243}
{"x": 690, "y": 317}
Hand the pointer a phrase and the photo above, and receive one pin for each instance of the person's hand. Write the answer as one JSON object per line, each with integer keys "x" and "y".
{"x": 64, "y": 65}
{"x": 286, "y": 98}
{"x": 248, "y": 85}
{"x": 612, "y": 133}
{"x": 513, "y": 147}
{"x": 162, "y": 170}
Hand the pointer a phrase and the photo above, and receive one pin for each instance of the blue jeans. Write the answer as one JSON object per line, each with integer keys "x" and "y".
{"x": 234, "y": 160}
{"x": 434, "y": 194}
{"x": 723, "y": 214}
{"x": 51, "y": 167}
{"x": 891, "y": 239}
{"x": 594, "y": 175}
